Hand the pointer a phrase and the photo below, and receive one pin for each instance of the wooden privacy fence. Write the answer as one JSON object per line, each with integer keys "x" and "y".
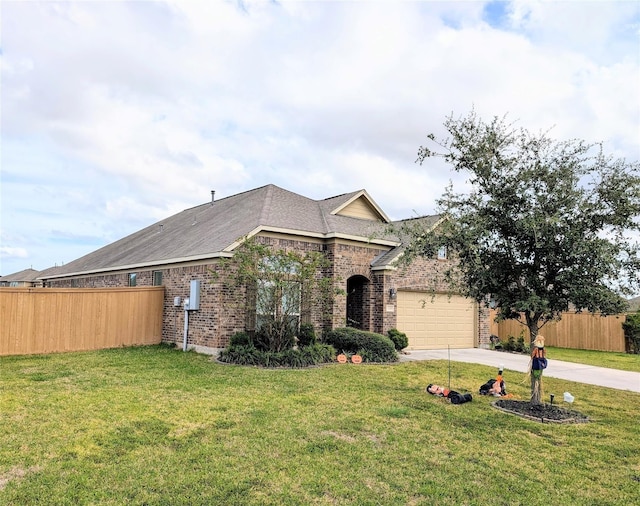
{"x": 48, "y": 320}
{"x": 583, "y": 331}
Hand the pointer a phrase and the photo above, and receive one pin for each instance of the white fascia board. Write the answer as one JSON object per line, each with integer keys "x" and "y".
{"x": 391, "y": 266}
{"x": 387, "y": 267}
{"x": 363, "y": 193}
{"x": 396, "y": 259}
{"x": 315, "y": 235}
{"x": 437, "y": 223}
{"x": 141, "y": 265}
{"x": 368, "y": 240}
{"x": 275, "y": 230}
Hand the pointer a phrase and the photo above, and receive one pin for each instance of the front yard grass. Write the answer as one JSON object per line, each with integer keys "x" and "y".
{"x": 612, "y": 360}
{"x": 153, "y": 425}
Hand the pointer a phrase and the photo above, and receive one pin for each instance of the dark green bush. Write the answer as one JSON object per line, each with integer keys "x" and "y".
{"x": 372, "y": 347}
{"x": 314, "y": 354}
{"x": 318, "y": 353}
{"x": 510, "y": 344}
{"x": 275, "y": 334}
{"x": 240, "y": 339}
{"x": 516, "y": 344}
{"x": 521, "y": 346}
{"x": 306, "y": 335}
{"x": 399, "y": 339}
{"x": 241, "y": 355}
{"x": 631, "y": 327}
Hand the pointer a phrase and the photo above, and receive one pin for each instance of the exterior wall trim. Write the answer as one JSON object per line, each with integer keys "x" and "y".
{"x": 144, "y": 265}
{"x": 332, "y": 235}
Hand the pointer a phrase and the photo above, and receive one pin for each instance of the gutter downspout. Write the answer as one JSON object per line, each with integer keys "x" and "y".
{"x": 186, "y": 329}
{"x": 186, "y": 324}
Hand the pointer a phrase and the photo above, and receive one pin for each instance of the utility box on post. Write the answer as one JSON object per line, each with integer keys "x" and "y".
{"x": 194, "y": 296}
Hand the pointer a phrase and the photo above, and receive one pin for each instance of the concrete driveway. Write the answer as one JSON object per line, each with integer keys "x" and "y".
{"x": 612, "y": 378}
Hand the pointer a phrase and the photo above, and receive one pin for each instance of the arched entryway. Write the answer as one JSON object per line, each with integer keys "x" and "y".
{"x": 358, "y": 309}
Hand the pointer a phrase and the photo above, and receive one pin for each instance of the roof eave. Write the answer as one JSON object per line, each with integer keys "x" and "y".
{"x": 316, "y": 235}
{"x": 228, "y": 251}
{"x": 128, "y": 267}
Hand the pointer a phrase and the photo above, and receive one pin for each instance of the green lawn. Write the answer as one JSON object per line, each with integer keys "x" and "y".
{"x": 622, "y": 361}
{"x": 155, "y": 426}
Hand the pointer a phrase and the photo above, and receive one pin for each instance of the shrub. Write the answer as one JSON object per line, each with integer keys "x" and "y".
{"x": 518, "y": 345}
{"x": 521, "y": 346}
{"x": 241, "y": 355}
{"x": 318, "y": 353}
{"x": 314, "y": 354}
{"x": 275, "y": 334}
{"x": 240, "y": 339}
{"x": 372, "y": 347}
{"x": 510, "y": 344}
{"x": 399, "y": 339}
{"x": 631, "y": 328}
{"x": 307, "y": 335}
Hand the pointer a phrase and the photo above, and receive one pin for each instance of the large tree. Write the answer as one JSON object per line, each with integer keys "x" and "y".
{"x": 543, "y": 227}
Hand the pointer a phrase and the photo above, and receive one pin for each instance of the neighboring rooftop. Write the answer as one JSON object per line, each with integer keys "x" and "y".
{"x": 25, "y": 276}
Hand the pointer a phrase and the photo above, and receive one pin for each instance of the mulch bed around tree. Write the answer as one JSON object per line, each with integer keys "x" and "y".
{"x": 544, "y": 413}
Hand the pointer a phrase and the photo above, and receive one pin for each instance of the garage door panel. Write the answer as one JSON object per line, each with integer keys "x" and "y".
{"x": 436, "y": 322}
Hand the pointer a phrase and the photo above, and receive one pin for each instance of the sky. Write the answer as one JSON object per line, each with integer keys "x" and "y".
{"x": 117, "y": 114}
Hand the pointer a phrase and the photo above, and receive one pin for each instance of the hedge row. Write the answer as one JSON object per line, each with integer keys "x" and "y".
{"x": 295, "y": 357}
{"x": 370, "y": 346}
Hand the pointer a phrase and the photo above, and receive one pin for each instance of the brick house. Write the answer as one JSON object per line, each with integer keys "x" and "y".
{"x": 350, "y": 229}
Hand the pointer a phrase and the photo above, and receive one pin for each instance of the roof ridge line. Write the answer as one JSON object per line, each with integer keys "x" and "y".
{"x": 209, "y": 203}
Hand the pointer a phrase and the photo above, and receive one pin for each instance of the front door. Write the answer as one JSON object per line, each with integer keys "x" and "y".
{"x": 358, "y": 309}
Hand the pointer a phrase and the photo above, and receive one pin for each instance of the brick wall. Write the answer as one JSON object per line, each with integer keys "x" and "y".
{"x": 222, "y": 309}
{"x": 350, "y": 260}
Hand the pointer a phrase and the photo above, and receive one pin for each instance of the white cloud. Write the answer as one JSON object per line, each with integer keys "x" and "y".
{"x": 116, "y": 114}
{"x": 9, "y": 252}
{"x": 606, "y": 31}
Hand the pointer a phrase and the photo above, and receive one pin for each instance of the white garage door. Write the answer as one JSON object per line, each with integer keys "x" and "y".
{"x": 432, "y": 323}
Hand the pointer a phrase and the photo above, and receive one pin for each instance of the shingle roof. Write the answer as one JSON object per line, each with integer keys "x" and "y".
{"x": 213, "y": 229}
{"x": 402, "y": 237}
{"x": 24, "y": 275}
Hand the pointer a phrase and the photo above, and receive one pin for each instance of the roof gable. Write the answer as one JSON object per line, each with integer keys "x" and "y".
{"x": 363, "y": 208}
{"x": 356, "y": 205}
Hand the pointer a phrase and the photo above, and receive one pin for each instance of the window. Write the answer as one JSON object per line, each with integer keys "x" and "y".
{"x": 278, "y": 301}
{"x": 442, "y": 253}
{"x": 132, "y": 278}
{"x": 157, "y": 278}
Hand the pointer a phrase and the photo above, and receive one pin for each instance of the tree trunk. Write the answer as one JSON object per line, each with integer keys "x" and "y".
{"x": 536, "y": 389}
